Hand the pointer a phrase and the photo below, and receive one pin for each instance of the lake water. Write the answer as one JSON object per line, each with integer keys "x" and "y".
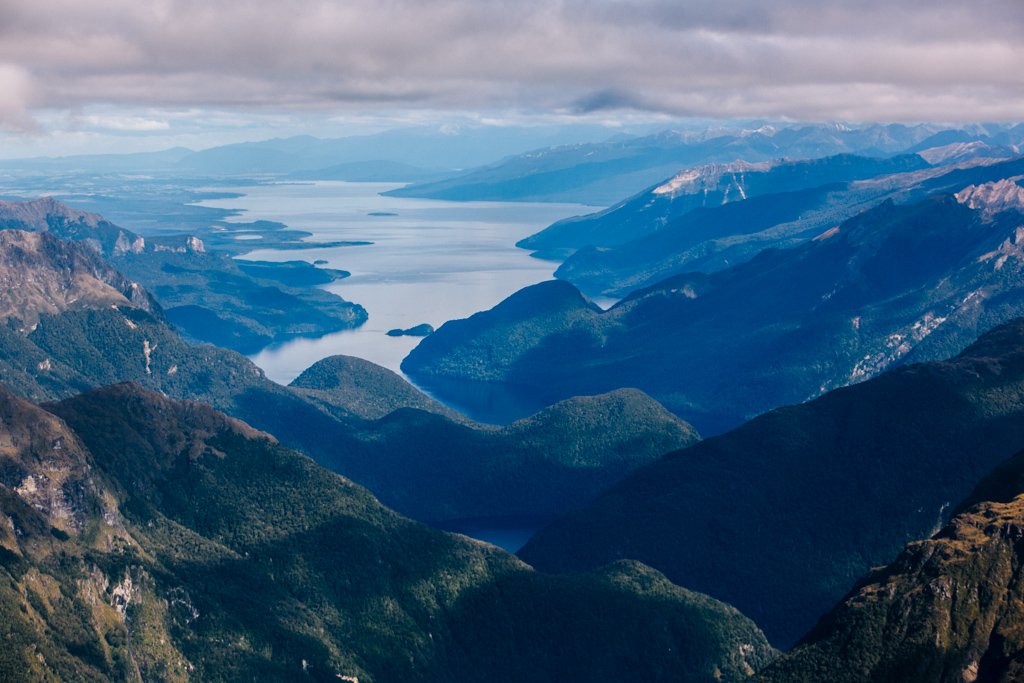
{"x": 431, "y": 262}
{"x": 508, "y": 534}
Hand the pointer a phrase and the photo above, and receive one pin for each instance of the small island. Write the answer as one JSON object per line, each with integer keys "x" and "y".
{"x": 382, "y": 213}
{"x": 421, "y": 330}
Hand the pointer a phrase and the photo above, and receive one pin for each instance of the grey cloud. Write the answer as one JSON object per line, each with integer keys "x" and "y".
{"x": 857, "y": 59}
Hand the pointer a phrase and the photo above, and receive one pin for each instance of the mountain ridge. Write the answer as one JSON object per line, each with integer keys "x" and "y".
{"x": 763, "y": 503}
{"x": 146, "y": 539}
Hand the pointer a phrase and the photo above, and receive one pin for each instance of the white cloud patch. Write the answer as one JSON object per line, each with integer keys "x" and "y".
{"x": 15, "y": 98}
{"x": 133, "y": 124}
{"x": 840, "y": 59}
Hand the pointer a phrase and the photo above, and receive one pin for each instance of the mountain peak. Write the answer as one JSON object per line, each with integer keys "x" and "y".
{"x": 41, "y": 274}
{"x": 35, "y": 212}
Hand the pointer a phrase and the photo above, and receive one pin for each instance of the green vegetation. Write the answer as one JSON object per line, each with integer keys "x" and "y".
{"x": 213, "y": 299}
{"x": 947, "y": 609}
{"x": 346, "y": 386}
{"x": 194, "y": 548}
{"x": 788, "y": 325}
{"x": 781, "y": 516}
{"x": 352, "y": 416}
{"x": 244, "y": 307}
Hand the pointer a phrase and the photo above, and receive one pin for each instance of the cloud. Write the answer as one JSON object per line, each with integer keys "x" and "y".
{"x": 15, "y": 99}
{"x": 131, "y": 124}
{"x": 832, "y": 59}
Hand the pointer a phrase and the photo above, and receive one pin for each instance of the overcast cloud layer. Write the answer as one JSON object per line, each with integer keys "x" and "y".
{"x": 858, "y": 60}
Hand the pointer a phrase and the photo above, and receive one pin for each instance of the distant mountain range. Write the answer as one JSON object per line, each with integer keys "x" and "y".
{"x": 401, "y": 154}
{"x": 709, "y": 218}
{"x": 603, "y": 173}
{"x": 896, "y": 283}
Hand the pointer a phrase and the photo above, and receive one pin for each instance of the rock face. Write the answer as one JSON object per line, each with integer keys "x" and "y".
{"x": 947, "y": 610}
{"x": 49, "y": 215}
{"x": 993, "y": 198}
{"x": 781, "y": 516}
{"x": 147, "y": 539}
{"x": 898, "y": 283}
{"x": 42, "y": 275}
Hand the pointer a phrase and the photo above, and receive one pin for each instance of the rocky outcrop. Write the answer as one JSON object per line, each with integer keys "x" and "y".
{"x": 946, "y": 611}
{"x": 41, "y": 274}
{"x": 993, "y": 198}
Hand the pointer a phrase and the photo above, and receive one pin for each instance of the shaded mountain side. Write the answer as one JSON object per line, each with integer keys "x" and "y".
{"x": 782, "y": 515}
{"x": 436, "y": 469}
{"x": 148, "y": 539}
{"x": 946, "y": 610}
{"x": 894, "y": 284}
{"x": 205, "y": 293}
{"x": 711, "y": 239}
{"x": 432, "y": 467}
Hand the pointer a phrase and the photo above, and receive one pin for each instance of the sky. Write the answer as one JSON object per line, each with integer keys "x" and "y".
{"x": 128, "y": 75}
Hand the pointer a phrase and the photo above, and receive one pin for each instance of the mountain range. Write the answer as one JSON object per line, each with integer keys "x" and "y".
{"x": 207, "y": 294}
{"x": 356, "y": 418}
{"x": 718, "y": 348}
{"x": 156, "y": 523}
{"x": 149, "y": 539}
{"x": 782, "y": 515}
{"x": 708, "y": 218}
{"x": 399, "y": 153}
{"x": 602, "y": 173}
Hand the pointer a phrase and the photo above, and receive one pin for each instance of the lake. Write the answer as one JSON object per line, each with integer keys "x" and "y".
{"x": 430, "y": 261}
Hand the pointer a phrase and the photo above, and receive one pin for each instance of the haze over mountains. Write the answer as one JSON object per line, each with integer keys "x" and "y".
{"x": 603, "y": 173}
